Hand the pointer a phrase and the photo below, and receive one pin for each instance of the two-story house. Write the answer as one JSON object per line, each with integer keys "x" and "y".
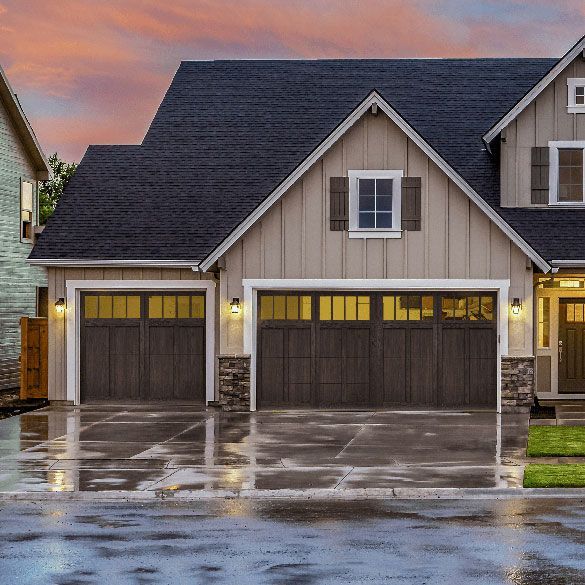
{"x": 23, "y": 288}
{"x": 331, "y": 233}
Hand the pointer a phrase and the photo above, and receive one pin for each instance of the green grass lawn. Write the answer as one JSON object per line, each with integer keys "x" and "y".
{"x": 556, "y": 442}
{"x": 549, "y": 476}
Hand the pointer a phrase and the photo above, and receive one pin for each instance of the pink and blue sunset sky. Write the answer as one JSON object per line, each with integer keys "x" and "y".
{"x": 94, "y": 71}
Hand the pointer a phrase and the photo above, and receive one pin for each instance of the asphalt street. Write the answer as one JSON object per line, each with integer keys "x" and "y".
{"x": 302, "y": 542}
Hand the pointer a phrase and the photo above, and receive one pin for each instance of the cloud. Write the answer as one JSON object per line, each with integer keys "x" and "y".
{"x": 91, "y": 72}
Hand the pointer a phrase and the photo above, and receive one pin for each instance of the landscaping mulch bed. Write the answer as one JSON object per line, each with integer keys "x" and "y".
{"x": 551, "y": 476}
{"x": 11, "y": 404}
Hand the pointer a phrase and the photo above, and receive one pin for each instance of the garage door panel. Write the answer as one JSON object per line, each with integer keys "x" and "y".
{"x": 356, "y": 370}
{"x": 434, "y": 349}
{"x": 355, "y": 394}
{"x": 330, "y": 370}
{"x": 330, "y": 342}
{"x": 299, "y": 394}
{"x": 299, "y": 343}
{"x": 189, "y": 377}
{"x": 299, "y": 370}
{"x": 189, "y": 340}
{"x": 161, "y": 377}
{"x": 96, "y": 371}
{"x": 125, "y": 340}
{"x": 125, "y": 376}
{"x": 272, "y": 380}
{"x": 273, "y": 343}
{"x": 482, "y": 381}
{"x": 356, "y": 343}
{"x": 329, "y": 394}
{"x": 482, "y": 343}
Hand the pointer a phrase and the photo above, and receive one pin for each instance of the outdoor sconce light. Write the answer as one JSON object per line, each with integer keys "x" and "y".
{"x": 235, "y": 305}
{"x": 516, "y": 306}
{"x": 60, "y": 305}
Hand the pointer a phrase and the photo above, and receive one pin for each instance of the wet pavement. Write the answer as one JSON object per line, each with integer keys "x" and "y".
{"x": 185, "y": 447}
{"x": 309, "y": 543}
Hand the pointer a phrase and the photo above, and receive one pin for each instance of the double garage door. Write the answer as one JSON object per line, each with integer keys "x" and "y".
{"x": 142, "y": 346}
{"x": 332, "y": 349}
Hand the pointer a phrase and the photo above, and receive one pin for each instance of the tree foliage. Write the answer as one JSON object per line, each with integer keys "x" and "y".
{"x": 50, "y": 191}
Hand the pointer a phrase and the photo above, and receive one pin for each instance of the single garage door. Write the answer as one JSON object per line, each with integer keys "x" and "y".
{"x": 332, "y": 349}
{"x": 147, "y": 346}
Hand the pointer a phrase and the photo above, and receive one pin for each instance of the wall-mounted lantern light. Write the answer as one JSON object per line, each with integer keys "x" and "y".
{"x": 235, "y": 305}
{"x": 60, "y": 305}
{"x": 516, "y": 306}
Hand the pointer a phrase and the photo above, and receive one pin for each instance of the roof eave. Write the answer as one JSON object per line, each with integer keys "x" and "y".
{"x": 97, "y": 263}
{"x": 536, "y": 90}
{"x": 24, "y": 129}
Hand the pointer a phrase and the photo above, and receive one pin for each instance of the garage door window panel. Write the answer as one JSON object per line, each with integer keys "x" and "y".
{"x": 111, "y": 307}
{"x": 344, "y": 308}
{"x": 285, "y": 308}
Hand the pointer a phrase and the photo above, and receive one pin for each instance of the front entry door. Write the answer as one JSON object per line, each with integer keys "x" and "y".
{"x": 571, "y": 349}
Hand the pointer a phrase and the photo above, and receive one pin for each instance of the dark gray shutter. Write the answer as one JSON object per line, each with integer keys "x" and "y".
{"x": 539, "y": 175}
{"x": 339, "y": 204}
{"x": 411, "y": 203}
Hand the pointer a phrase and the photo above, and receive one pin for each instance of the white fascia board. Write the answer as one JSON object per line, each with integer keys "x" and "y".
{"x": 114, "y": 263}
{"x": 373, "y": 98}
{"x": 568, "y": 263}
{"x": 535, "y": 91}
{"x": 22, "y": 124}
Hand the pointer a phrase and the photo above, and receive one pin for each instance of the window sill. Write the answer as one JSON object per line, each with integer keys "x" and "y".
{"x": 576, "y": 109}
{"x": 568, "y": 204}
{"x": 381, "y": 235}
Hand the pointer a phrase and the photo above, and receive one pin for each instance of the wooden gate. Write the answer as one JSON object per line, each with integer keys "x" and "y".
{"x": 33, "y": 358}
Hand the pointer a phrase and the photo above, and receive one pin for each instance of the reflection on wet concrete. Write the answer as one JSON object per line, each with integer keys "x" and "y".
{"x": 158, "y": 447}
{"x": 513, "y": 542}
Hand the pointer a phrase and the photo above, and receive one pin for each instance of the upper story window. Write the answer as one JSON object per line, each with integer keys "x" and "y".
{"x": 576, "y": 95}
{"x": 27, "y": 210}
{"x": 374, "y": 204}
{"x": 567, "y": 179}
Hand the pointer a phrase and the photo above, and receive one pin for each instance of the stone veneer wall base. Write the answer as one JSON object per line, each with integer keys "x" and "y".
{"x": 517, "y": 383}
{"x": 234, "y": 383}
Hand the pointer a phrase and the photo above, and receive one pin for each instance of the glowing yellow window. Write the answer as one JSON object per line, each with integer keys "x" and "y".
{"x": 105, "y": 307}
{"x": 133, "y": 311}
{"x": 198, "y": 307}
{"x": 388, "y": 308}
{"x": 155, "y": 307}
{"x": 350, "y": 308}
{"x": 280, "y": 307}
{"x": 487, "y": 308}
{"x": 91, "y": 307}
{"x": 169, "y": 307}
{"x": 266, "y": 307}
{"x": 363, "y": 308}
{"x": 306, "y": 308}
{"x": 325, "y": 308}
{"x": 427, "y": 308}
{"x": 292, "y": 308}
{"x": 338, "y": 308}
{"x": 402, "y": 308}
{"x": 119, "y": 307}
{"x": 544, "y": 322}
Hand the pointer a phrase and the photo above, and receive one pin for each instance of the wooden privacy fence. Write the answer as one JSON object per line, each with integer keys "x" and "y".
{"x": 33, "y": 358}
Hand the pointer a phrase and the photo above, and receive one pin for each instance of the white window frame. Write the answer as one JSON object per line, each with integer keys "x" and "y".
{"x": 572, "y": 107}
{"x": 553, "y": 176}
{"x": 354, "y": 230}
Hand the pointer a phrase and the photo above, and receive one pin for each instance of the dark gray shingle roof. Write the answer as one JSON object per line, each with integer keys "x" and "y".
{"x": 228, "y": 132}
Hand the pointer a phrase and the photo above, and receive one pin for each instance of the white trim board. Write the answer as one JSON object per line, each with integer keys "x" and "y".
{"x": 374, "y": 98}
{"x": 114, "y": 263}
{"x": 535, "y": 91}
{"x": 252, "y": 286}
{"x": 73, "y": 289}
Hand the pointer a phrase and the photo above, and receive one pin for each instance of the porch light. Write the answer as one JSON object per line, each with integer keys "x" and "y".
{"x": 516, "y": 306}
{"x": 60, "y": 305}
{"x": 235, "y": 305}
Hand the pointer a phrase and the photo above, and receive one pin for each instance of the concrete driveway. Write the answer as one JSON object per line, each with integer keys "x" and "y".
{"x": 185, "y": 447}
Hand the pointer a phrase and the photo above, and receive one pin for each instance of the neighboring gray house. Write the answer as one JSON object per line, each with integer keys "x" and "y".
{"x": 22, "y": 287}
{"x": 337, "y": 233}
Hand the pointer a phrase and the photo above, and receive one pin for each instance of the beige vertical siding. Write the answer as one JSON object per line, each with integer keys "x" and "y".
{"x": 543, "y": 120}
{"x": 57, "y": 279}
{"x": 457, "y": 240}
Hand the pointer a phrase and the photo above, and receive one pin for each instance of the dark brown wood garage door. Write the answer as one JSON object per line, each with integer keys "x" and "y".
{"x": 332, "y": 349}
{"x": 142, "y": 346}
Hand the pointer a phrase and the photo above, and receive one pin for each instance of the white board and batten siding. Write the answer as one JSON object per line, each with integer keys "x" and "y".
{"x": 545, "y": 119}
{"x": 457, "y": 240}
{"x": 18, "y": 280}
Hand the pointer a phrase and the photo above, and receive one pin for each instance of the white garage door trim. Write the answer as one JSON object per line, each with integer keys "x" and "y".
{"x": 252, "y": 286}
{"x": 72, "y": 325}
